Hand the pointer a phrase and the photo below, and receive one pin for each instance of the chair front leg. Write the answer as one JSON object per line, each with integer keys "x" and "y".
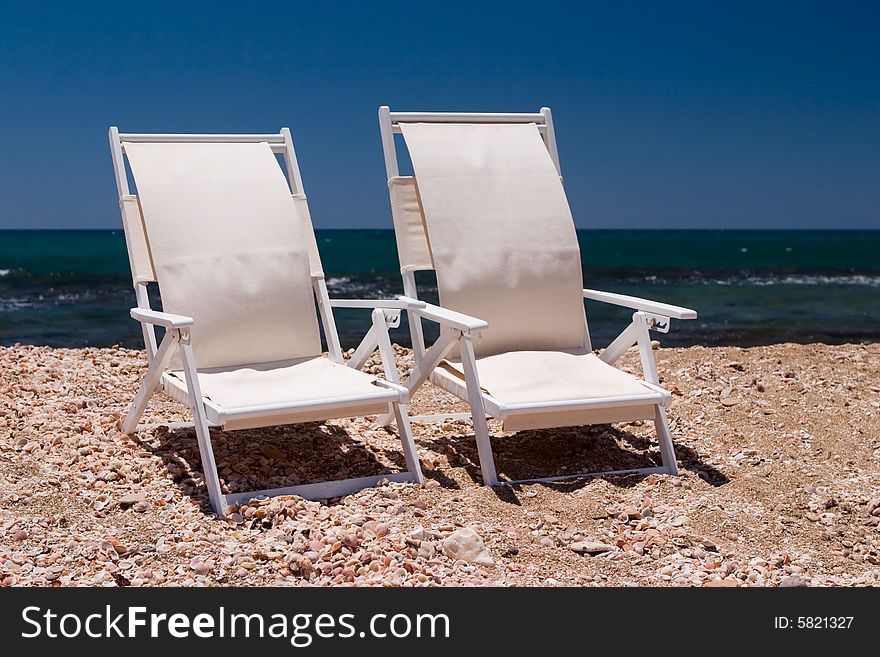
{"x": 649, "y": 368}
{"x": 383, "y": 341}
{"x": 478, "y": 411}
{"x": 410, "y": 454}
{"x": 646, "y": 353}
{"x": 203, "y": 435}
{"x": 664, "y": 437}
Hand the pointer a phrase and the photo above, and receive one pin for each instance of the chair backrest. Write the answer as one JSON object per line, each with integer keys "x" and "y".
{"x": 230, "y": 244}
{"x": 487, "y": 212}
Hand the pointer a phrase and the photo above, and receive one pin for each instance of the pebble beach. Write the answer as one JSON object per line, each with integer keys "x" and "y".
{"x": 779, "y": 448}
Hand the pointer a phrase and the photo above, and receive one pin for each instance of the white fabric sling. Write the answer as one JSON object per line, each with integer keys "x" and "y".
{"x": 230, "y": 249}
{"x": 533, "y": 377}
{"x": 299, "y": 381}
{"x": 501, "y": 233}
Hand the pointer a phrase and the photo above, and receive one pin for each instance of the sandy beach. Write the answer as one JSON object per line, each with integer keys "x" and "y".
{"x": 779, "y": 448}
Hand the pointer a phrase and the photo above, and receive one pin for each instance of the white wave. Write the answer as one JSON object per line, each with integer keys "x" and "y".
{"x": 5, "y": 272}
{"x": 7, "y": 305}
{"x": 803, "y": 279}
{"x": 341, "y": 280}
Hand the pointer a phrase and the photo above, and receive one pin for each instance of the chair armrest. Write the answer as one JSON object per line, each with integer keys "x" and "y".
{"x": 655, "y": 307}
{"x": 388, "y": 304}
{"x": 444, "y": 316}
{"x": 168, "y": 320}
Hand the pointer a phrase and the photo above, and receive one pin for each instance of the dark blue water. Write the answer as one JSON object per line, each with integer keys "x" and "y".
{"x": 73, "y": 288}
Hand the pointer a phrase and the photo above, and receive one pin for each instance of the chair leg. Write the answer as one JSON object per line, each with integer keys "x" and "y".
{"x": 667, "y": 451}
{"x": 364, "y": 350}
{"x": 423, "y": 369}
{"x": 203, "y": 435}
{"x": 406, "y": 440}
{"x": 209, "y": 466}
{"x": 478, "y": 413}
{"x": 150, "y": 383}
{"x": 484, "y": 446}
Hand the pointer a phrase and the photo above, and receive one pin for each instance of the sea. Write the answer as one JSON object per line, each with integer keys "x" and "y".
{"x": 72, "y": 288}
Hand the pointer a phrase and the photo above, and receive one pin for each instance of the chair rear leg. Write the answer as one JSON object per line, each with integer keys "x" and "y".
{"x": 667, "y": 450}
{"x": 406, "y": 440}
{"x": 150, "y": 382}
{"x": 423, "y": 369}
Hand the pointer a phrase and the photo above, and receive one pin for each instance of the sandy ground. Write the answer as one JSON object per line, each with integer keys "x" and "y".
{"x": 779, "y": 448}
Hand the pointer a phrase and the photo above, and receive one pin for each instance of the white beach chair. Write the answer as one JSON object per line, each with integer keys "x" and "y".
{"x": 486, "y": 210}
{"x": 229, "y": 240}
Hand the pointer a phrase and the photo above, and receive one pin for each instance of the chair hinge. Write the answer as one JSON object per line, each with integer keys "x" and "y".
{"x": 658, "y": 323}
{"x": 392, "y": 317}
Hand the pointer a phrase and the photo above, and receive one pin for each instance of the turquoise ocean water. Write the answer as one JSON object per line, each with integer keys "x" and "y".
{"x": 73, "y": 288}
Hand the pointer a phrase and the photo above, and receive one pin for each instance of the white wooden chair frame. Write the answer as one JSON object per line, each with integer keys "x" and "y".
{"x": 649, "y": 315}
{"x": 385, "y": 313}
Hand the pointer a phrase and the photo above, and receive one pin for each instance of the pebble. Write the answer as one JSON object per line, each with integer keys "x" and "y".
{"x": 131, "y": 499}
{"x": 200, "y": 567}
{"x": 590, "y": 547}
{"x": 419, "y": 534}
{"x": 466, "y": 544}
{"x": 786, "y": 582}
{"x": 722, "y": 583}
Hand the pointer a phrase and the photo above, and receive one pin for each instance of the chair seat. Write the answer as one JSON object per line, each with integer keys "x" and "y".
{"x": 281, "y": 392}
{"x": 521, "y": 382}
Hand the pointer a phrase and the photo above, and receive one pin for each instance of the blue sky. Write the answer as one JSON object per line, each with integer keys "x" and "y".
{"x": 685, "y": 115}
